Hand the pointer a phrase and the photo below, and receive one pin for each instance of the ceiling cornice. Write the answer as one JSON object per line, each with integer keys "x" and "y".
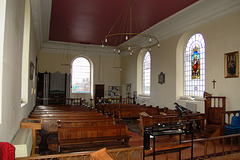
{"x": 194, "y": 16}
{"x": 189, "y": 18}
{"x": 41, "y": 12}
{"x": 74, "y": 48}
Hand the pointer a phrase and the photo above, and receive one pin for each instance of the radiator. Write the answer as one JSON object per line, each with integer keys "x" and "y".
{"x": 195, "y": 106}
{"x": 191, "y": 106}
{"x": 23, "y": 142}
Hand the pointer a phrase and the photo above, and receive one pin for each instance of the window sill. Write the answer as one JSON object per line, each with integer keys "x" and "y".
{"x": 143, "y": 96}
{"x": 23, "y": 104}
{"x": 185, "y": 98}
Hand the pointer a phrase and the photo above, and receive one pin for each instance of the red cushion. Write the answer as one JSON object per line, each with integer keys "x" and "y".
{"x": 6, "y": 151}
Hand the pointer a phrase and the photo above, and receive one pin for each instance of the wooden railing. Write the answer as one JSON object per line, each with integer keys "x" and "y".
{"x": 216, "y": 140}
{"x": 135, "y": 153}
{"x": 228, "y": 115}
{"x": 115, "y": 100}
{"x": 59, "y": 101}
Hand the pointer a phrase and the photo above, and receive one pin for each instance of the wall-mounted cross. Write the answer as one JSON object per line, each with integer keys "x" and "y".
{"x": 214, "y": 81}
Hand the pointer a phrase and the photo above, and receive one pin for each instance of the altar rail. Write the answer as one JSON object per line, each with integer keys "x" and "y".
{"x": 135, "y": 153}
{"x": 219, "y": 140}
{"x": 60, "y": 101}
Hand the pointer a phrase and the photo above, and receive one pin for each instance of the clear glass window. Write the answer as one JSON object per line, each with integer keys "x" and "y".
{"x": 81, "y": 75}
{"x": 146, "y": 76}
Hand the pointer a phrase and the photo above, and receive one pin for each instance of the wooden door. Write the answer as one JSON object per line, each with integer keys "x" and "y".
{"x": 98, "y": 92}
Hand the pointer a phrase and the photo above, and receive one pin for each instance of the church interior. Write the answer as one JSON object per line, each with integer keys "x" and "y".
{"x": 109, "y": 79}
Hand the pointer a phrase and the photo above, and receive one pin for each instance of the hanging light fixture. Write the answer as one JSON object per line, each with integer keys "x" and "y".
{"x": 116, "y": 65}
{"x": 129, "y": 32}
{"x": 65, "y": 58}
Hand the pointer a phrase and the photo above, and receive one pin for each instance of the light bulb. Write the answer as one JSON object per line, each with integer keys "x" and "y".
{"x": 150, "y": 40}
{"x": 129, "y": 48}
{"x": 130, "y": 53}
{"x": 106, "y": 40}
{"x": 126, "y": 37}
{"x": 114, "y": 50}
{"x": 119, "y": 51}
{"x": 150, "y": 49}
{"x": 102, "y": 45}
{"x": 158, "y": 45}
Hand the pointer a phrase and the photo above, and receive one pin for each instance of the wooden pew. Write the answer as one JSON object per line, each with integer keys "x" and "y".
{"x": 67, "y": 114}
{"x": 50, "y": 115}
{"x": 92, "y": 137}
{"x": 69, "y": 117}
{"x": 133, "y": 112}
{"x": 128, "y": 110}
{"x": 90, "y": 122}
{"x": 50, "y": 124}
{"x": 60, "y": 101}
{"x": 61, "y": 107}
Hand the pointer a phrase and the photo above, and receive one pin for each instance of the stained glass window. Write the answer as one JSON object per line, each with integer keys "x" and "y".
{"x": 81, "y": 78}
{"x": 146, "y": 79}
{"x": 195, "y": 63}
{"x": 194, "y": 66}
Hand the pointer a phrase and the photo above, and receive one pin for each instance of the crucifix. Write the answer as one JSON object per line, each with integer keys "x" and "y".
{"x": 214, "y": 81}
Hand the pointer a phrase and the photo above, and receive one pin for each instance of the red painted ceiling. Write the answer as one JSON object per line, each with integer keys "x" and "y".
{"x": 89, "y": 21}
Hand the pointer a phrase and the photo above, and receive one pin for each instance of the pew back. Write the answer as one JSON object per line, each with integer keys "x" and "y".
{"x": 69, "y": 137}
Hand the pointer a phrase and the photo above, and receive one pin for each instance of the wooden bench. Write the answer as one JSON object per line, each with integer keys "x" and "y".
{"x": 133, "y": 112}
{"x": 92, "y": 137}
{"x": 50, "y": 124}
{"x": 61, "y": 107}
{"x": 128, "y": 110}
{"x": 90, "y": 122}
{"x": 53, "y": 114}
{"x": 60, "y": 101}
{"x": 80, "y": 114}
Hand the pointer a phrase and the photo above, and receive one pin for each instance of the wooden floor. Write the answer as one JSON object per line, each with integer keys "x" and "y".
{"x": 198, "y": 148}
{"x": 234, "y": 156}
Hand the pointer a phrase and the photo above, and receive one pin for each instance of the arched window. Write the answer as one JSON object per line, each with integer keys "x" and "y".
{"x": 194, "y": 66}
{"x": 25, "y": 53}
{"x": 2, "y": 28}
{"x": 146, "y": 74}
{"x": 81, "y": 75}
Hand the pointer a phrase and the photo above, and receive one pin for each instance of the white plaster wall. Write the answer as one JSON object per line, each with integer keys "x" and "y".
{"x": 12, "y": 112}
{"x": 2, "y": 27}
{"x": 221, "y": 36}
{"x": 129, "y": 71}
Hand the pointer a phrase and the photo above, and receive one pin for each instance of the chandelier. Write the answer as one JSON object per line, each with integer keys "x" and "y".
{"x": 129, "y": 32}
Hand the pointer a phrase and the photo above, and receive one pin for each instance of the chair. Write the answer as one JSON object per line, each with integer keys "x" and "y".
{"x": 234, "y": 128}
{"x": 100, "y": 155}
